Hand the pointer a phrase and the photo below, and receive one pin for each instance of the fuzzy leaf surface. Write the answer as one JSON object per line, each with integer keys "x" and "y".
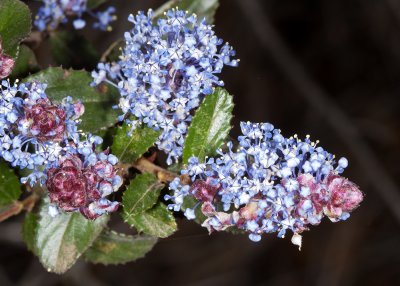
{"x": 112, "y": 248}
{"x": 59, "y": 241}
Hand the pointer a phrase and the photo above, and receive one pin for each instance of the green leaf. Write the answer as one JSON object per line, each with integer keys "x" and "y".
{"x": 157, "y": 221}
{"x": 72, "y": 50}
{"x": 59, "y": 241}
{"x": 92, "y": 4}
{"x": 141, "y": 195}
{"x": 29, "y": 229}
{"x": 25, "y": 63}
{"x": 202, "y": 8}
{"x": 10, "y": 187}
{"x": 99, "y": 114}
{"x": 129, "y": 148}
{"x": 15, "y": 25}
{"x": 116, "y": 248}
{"x": 210, "y": 125}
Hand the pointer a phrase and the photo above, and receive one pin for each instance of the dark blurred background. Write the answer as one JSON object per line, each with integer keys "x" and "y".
{"x": 321, "y": 67}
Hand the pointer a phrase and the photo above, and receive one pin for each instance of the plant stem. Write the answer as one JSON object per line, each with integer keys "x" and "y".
{"x": 145, "y": 166}
{"x": 16, "y": 208}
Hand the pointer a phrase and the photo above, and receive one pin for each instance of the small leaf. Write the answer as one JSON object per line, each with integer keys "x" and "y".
{"x": 210, "y": 125}
{"x": 141, "y": 195}
{"x": 202, "y": 8}
{"x": 25, "y": 63}
{"x": 116, "y": 248}
{"x": 129, "y": 148}
{"x": 92, "y": 4}
{"x": 72, "y": 50}
{"x": 15, "y": 25}
{"x": 10, "y": 187}
{"x": 98, "y": 102}
{"x": 59, "y": 241}
{"x": 157, "y": 221}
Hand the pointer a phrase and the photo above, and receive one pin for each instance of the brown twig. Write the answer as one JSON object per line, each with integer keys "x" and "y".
{"x": 10, "y": 210}
{"x": 145, "y": 166}
{"x": 374, "y": 171}
{"x": 18, "y": 206}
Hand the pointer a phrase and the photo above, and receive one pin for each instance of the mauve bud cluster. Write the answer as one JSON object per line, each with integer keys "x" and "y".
{"x": 33, "y": 130}
{"x": 165, "y": 71}
{"x": 83, "y": 179}
{"x": 6, "y": 63}
{"x": 268, "y": 184}
{"x": 55, "y": 12}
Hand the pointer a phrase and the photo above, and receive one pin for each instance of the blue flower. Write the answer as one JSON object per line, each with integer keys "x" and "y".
{"x": 165, "y": 71}
{"x": 33, "y": 130}
{"x": 55, "y": 12}
{"x": 269, "y": 183}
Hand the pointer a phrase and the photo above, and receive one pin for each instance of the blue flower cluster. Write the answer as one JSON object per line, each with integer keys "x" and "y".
{"x": 269, "y": 183}
{"x": 55, "y": 12}
{"x": 43, "y": 137}
{"x": 32, "y": 129}
{"x": 164, "y": 73}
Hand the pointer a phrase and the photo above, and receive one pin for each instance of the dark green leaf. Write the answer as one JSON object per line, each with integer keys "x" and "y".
{"x": 116, "y": 248}
{"x": 29, "y": 229}
{"x": 10, "y": 187}
{"x": 72, "y": 50}
{"x": 92, "y": 4}
{"x": 141, "y": 195}
{"x": 129, "y": 148}
{"x": 59, "y": 241}
{"x": 98, "y": 102}
{"x": 25, "y": 63}
{"x": 202, "y": 8}
{"x": 15, "y": 25}
{"x": 157, "y": 221}
{"x": 210, "y": 125}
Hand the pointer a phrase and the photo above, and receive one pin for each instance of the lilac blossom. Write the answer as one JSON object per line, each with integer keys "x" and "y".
{"x": 55, "y": 12}
{"x": 267, "y": 184}
{"x": 164, "y": 72}
{"x": 33, "y": 130}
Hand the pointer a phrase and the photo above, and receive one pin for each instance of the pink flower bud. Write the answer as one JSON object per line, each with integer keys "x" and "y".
{"x": 44, "y": 121}
{"x": 6, "y": 64}
{"x": 79, "y": 109}
{"x": 207, "y": 208}
{"x": 345, "y": 196}
{"x": 73, "y": 187}
{"x": 204, "y": 191}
